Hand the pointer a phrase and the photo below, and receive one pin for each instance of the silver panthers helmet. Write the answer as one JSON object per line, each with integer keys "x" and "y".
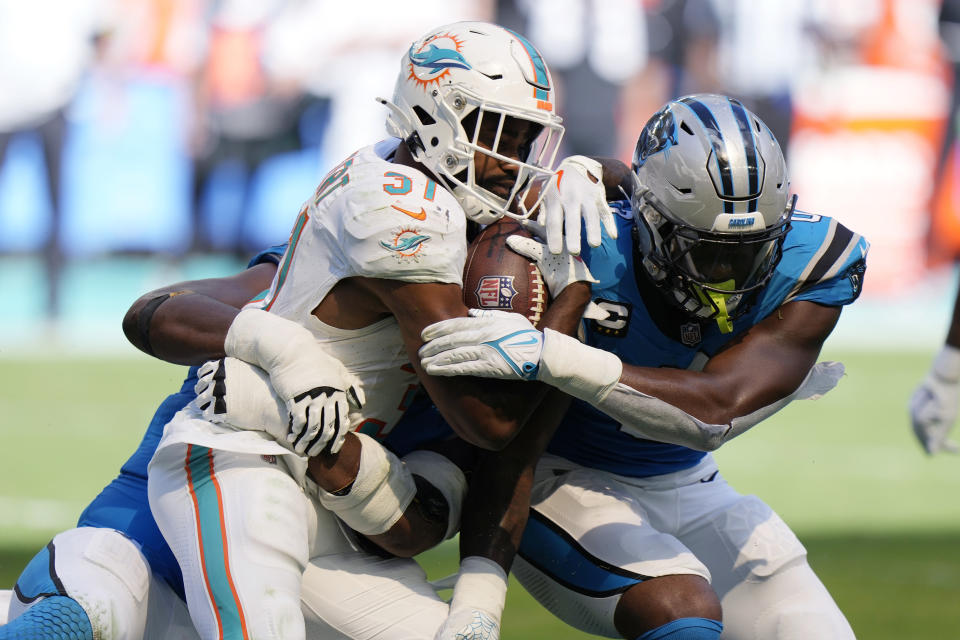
{"x": 712, "y": 204}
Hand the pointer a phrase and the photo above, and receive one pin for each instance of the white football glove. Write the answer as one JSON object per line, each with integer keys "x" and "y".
{"x": 477, "y": 603}
{"x": 490, "y": 344}
{"x": 468, "y": 624}
{"x": 497, "y": 344}
{"x": 574, "y": 193}
{"x": 557, "y": 269}
{"x": 239, "y": 394}
{"x": 311, "y": 383}
{"x": 321, "y": 417}
{"x": 230, "y": 391}
{"x": 934, "y": 404}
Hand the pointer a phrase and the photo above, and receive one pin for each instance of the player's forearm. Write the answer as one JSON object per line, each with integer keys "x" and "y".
{"x": 651, "y": 418}
{"x": 495, "y": 511}
{"x": 485, "y": 415}
{"x": 617, "y": 180}
{"x": 699, "y": 394}
{"x": 565, "y": 312}
{"x": 710, "y": 398}
{"x": 498, "y": 503}
{"x": 185, "y": 328}
{"x": 953, "y": 334}
{"x": 490, "y": 413}
{"x": 187, "y": 323}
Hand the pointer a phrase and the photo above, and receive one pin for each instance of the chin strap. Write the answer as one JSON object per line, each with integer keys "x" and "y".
{"x": 719, "y": 300}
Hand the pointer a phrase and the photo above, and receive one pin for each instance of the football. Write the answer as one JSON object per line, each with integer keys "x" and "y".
{"x": 495, "y": 277}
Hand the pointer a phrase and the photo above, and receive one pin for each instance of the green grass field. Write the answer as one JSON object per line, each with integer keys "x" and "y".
{"x": 880, "y": 520}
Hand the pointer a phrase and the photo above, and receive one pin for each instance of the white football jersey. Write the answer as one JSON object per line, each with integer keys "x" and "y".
{"x": 371, "y": 218}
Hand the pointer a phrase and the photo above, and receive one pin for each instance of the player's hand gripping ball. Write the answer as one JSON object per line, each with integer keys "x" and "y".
{"x": 496, "y": 277}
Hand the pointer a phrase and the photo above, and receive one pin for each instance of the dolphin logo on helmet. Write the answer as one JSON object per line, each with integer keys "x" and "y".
{"x": 436, "y": 59}
{"x": 470, "y": 77}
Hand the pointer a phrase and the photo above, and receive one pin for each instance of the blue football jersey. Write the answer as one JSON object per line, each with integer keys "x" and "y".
{"x": 823, "y": 262}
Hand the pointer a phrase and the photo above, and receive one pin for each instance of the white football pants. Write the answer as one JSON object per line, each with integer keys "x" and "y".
{"x": 593, "y": 534}
{"x": 251, "y": 542}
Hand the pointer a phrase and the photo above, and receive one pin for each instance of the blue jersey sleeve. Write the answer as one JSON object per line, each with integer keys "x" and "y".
{"x": 831, "y": 269}
{"x": 271, "y": 255}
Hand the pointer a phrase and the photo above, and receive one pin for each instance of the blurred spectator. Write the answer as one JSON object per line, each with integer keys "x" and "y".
{"x": 157, "y": 38}
{"x": 949, "y": 28}
{"x": 282, "y": 75}
{"x": 593, "y": 47}
{"x": 242, "y": 115}
{"x": 345, "y": 53}
{"x": 934, "y": 403}
{"x": 682, "y": 36}
{"x": 944, "y": 239}
{"x": 764, "y": 46}
{"x": 867, "y": 128}
{"x": 45, "y": 48}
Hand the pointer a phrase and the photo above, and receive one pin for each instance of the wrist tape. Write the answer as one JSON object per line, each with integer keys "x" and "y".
{"x": 482, "y": 584}
{"x": 381, "y": 492}
{"x": 577, "y": 369}
{"x": 262, "y": 338}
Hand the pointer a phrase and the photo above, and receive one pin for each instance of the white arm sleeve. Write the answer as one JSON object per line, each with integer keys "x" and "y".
{"x": 593, "y": 375}
{"x": 647, "y": 417}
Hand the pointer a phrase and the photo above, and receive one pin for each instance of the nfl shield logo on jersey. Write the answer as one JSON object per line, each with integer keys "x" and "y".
{"x": 496, "y": 292}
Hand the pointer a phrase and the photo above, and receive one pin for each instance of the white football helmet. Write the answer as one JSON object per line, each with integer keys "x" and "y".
{"x": 712, "y": 204}
{"x": 466, "y": 77}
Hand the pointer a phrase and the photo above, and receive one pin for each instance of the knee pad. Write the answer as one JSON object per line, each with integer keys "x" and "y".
{"x": 37, "y": 580}
{"x": 99, "y": 570}
{"x": 446, "y": 477}
{"x": 686, "y": 629}
{"x": 382, "y": 491}
{"x": 52, "y": 618}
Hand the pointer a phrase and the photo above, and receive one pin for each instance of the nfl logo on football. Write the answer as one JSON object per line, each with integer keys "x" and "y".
{"x": 495, "y": 292}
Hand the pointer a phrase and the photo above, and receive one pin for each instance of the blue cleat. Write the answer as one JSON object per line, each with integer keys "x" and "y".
{"x": 53, "y": 618}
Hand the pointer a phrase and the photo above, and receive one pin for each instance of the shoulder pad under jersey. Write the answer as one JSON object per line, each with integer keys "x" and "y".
{"x": 396, "y": 223}
{"x": 825, "y": 259}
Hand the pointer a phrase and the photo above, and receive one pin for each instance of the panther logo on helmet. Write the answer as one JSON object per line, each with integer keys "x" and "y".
{"x": 659, "y": 134}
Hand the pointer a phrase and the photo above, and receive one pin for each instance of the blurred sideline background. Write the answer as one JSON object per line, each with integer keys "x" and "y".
{"x": 147, "y": 141}
{"x": 144, "y": 142}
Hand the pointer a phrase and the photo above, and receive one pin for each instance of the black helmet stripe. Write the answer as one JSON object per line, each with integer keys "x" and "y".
{"x": 716, "y": 140}
{"x": 750, "y": 147}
